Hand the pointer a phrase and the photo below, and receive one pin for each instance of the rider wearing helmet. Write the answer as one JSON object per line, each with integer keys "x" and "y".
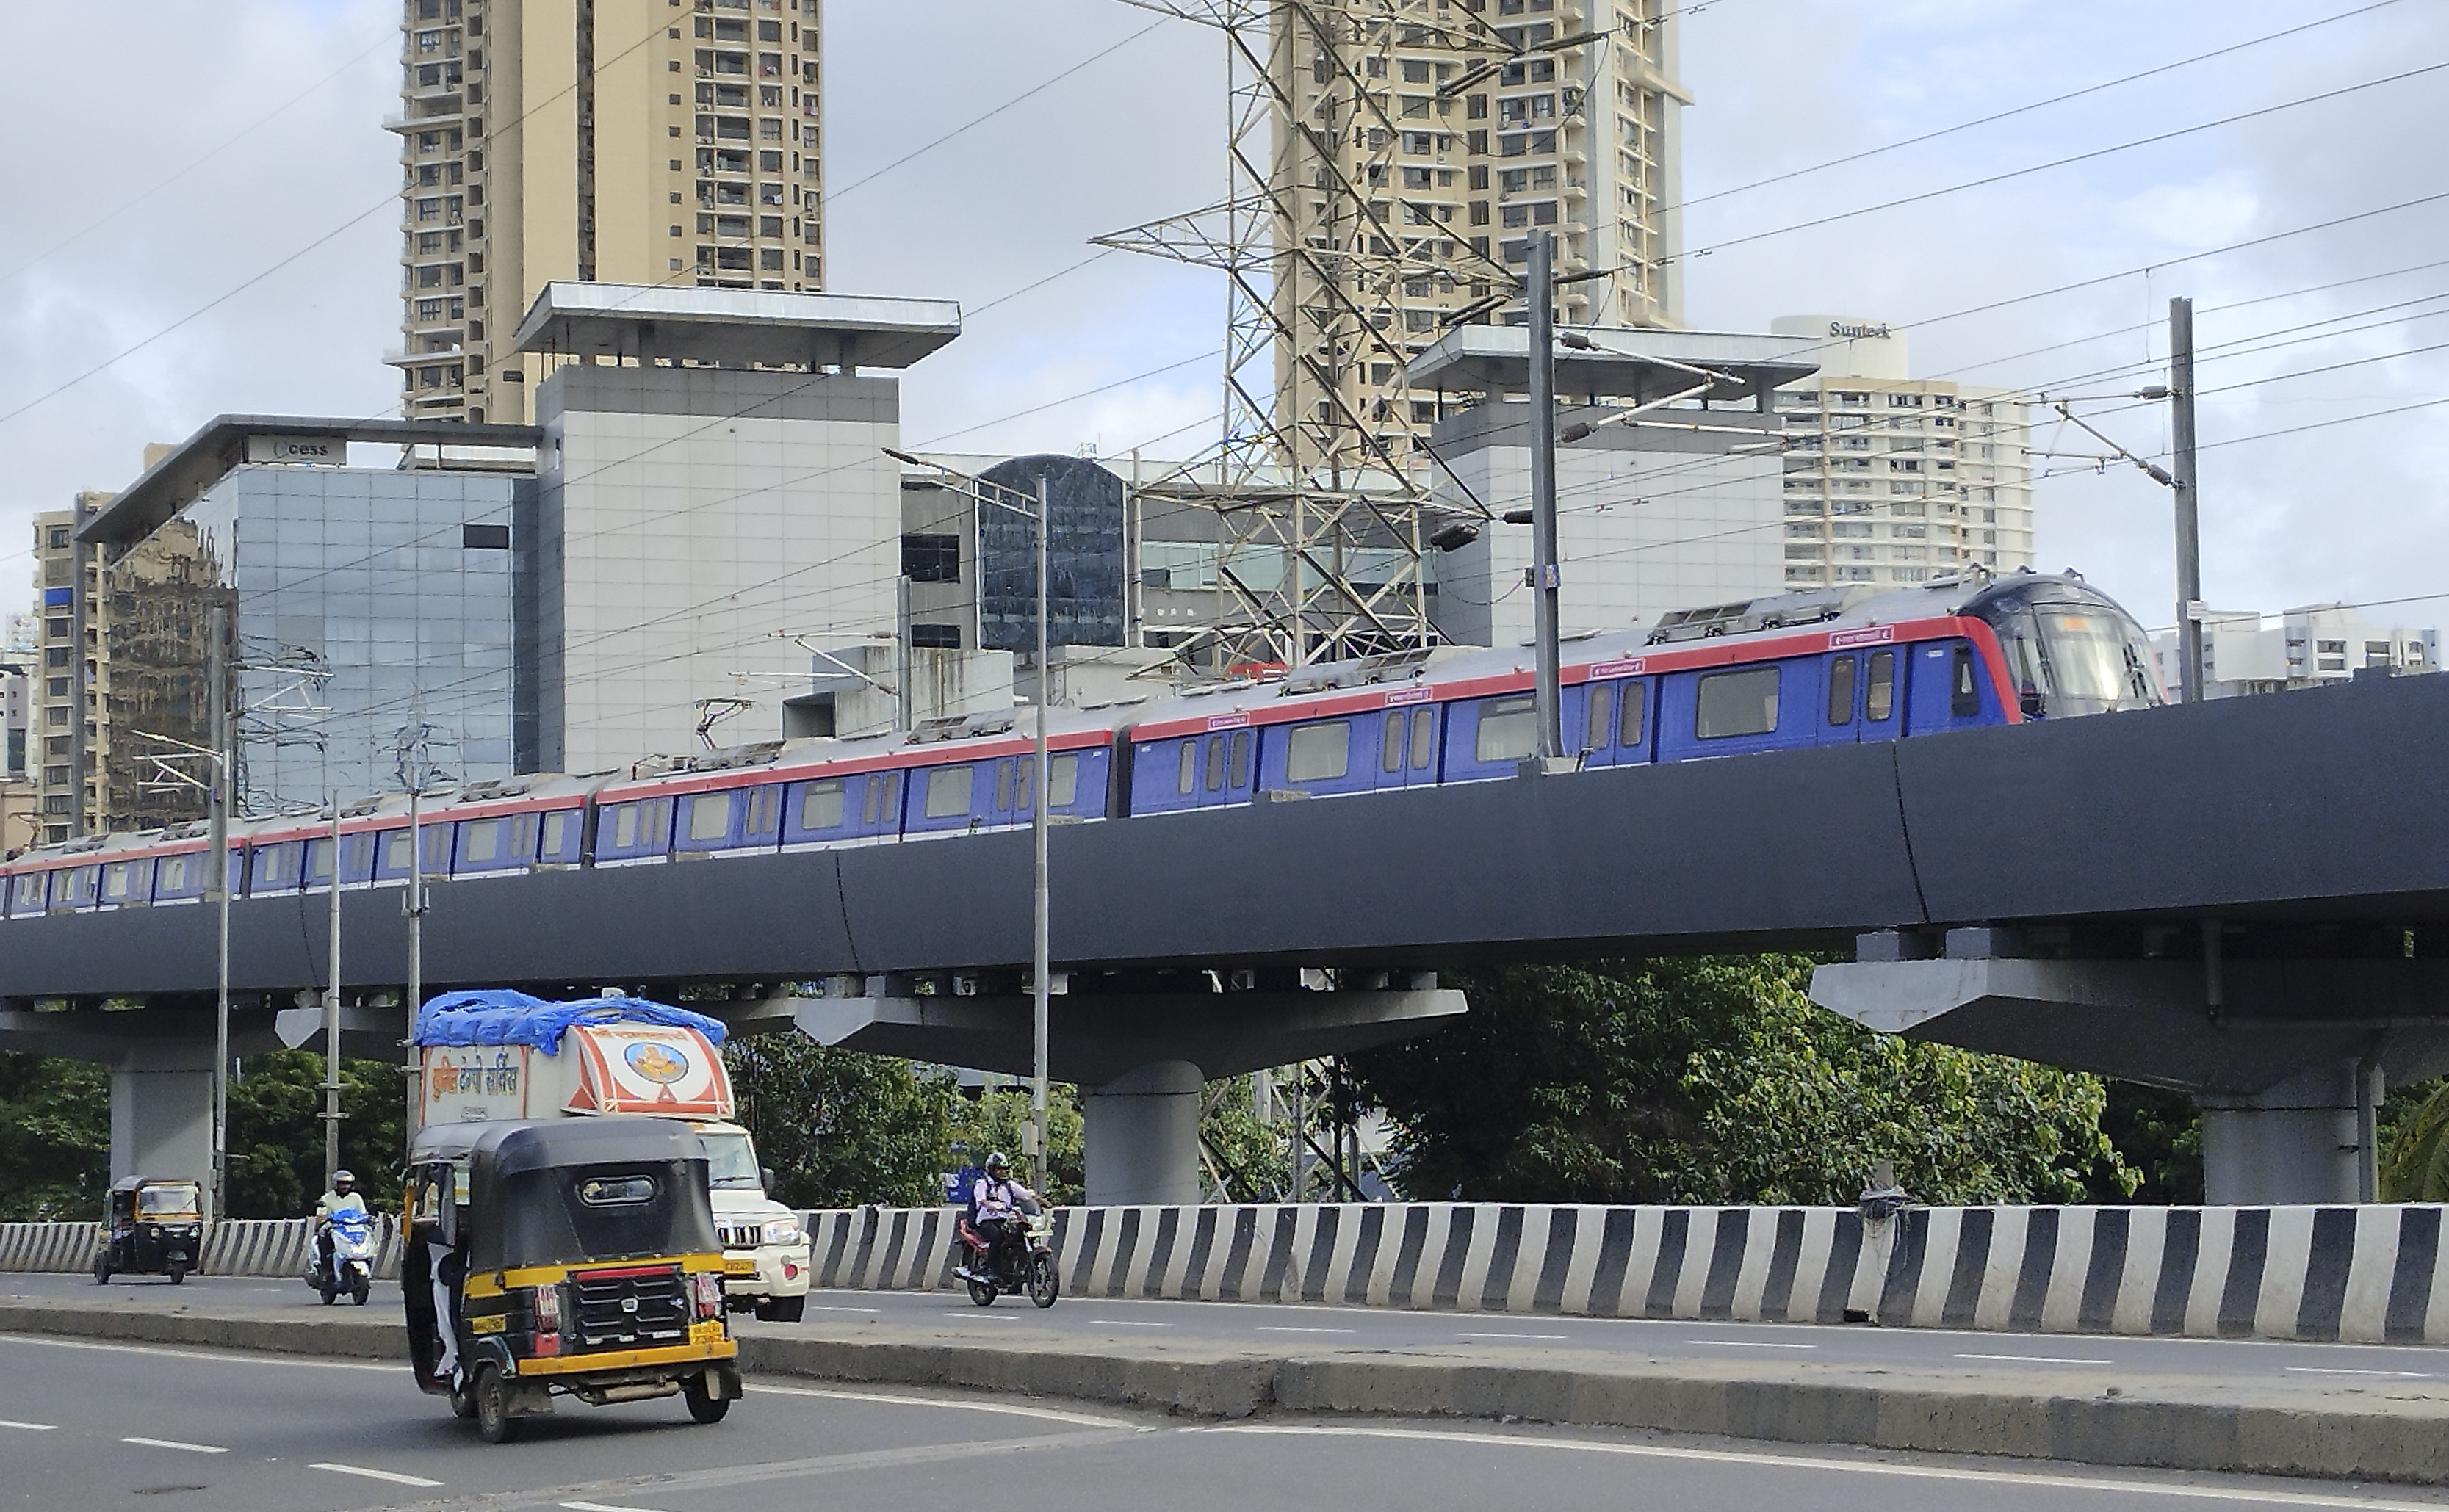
{"x": 993, "y": 1200}
{"x": 342, "y": 1197}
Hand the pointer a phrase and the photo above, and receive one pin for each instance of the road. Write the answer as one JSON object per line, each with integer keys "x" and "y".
{"x": 1283, "y": 1327}
{"x": 91, "y": 1426}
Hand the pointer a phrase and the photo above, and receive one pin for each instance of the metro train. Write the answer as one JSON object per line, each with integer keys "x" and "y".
{"x": 1831, "y": 666}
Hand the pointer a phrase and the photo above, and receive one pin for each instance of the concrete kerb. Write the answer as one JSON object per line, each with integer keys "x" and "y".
{"x": 2150, "y": 1422}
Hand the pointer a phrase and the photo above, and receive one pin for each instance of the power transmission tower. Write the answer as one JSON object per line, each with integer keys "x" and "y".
{"x": 1322, "y": 479}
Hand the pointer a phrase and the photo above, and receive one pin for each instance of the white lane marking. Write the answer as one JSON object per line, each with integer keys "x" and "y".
{"x": 1286, "y": 1329}
{"x": 1127, "y": 1323}
{"x": 813, "y": 1308}
{"x": 1802, "y": 1461}
{"x": 890, "y": 1399}
{"x": 2035, "y": 1359}
{"x": 30, "y": 1428}
{"x": 2317, "y": 1369}
{"x": 217, "y": 1358}
{"x": 392, "y": 1475}
{"x": 1512, "y": 1336}
{"x": 602, "y": 1507}
{"x": 174, "y": 1443}
{"x": 1747, "y": 1344}
{"x": 981, "y": 1312}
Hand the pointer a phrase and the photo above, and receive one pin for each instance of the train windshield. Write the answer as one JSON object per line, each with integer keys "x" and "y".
{"x": 2068, "y": 654}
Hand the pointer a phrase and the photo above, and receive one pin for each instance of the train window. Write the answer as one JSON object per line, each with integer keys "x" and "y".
{"x": 948, "y": 792}
{"x": 655, "y": 823}
{"x": 394, "y": 852}
{"x": 1063, "y": 779}
{"x": 522, "y": 829}
{"x": 1424, "y": 736}
{"x": 1390, "y": 743}
{"x": 30, "y": 891}
{"x": 1509, "y": 730}
{"x": 1879, "y": 690}
{"x": 1003, "y": 785}
{"x": 1631, "y": 720}
{"x": 1023, "y": 792}
{"x": 1963, "y": 694}
{"x": 1735, "y": 703}
{"x": 1215, "y": 763}
{"x": 116, "y": 878}
{"x": 872, "y": 799}
{"x": 625, "y": 825}
{"x": 764, "y": 804}
{"x": 1318, "y": 753}
{"x": 710, "y": 816}
{"x": 480, "y": 840}
{"x": 1840, "y": 691}
{"x": 172, "y": 877}
{"x": 820, "y": 804}
{"x": 1186, "y": 779}
{"x": 1595, "y": 727}
{"x": 556, "y": 831}
{"x": 1237, "y": 760}
{"x": 318, "y": 860}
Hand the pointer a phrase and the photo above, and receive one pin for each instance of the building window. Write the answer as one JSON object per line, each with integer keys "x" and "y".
{"x": 931, "y": 558}
{"x": 485, "y": 537}
{"x": 935, "y": 637}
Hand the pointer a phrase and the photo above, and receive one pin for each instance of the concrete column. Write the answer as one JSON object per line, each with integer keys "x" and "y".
{"x": 162, "y": 1116}
{"x": 1143, "y": 1134}
{"x": 2294, "y": 1142}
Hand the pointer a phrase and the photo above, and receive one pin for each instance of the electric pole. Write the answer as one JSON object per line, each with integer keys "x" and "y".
{"x": 1544, "y": 577}
{"x": 217, "y": 800}
{"x": 1040, "y": 965}
{"x": 2189, "y": 545}
{"x": 332, "y": 1017}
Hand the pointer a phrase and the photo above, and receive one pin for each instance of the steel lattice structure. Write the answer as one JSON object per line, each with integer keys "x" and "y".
{"x": 1321, "y": 480}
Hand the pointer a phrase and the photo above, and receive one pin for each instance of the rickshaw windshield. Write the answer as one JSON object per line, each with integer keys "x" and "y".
{"x": 175, "y": 1200}
{"x": 575, "y": 1215}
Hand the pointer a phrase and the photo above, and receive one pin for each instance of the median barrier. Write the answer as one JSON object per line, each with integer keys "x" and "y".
{"x": 234, "y": 1247}
{"x": 2362, "y": 1275}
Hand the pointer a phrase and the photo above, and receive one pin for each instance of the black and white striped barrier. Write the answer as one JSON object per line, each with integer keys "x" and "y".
{"x": 2353, "y": 1273}
{"x": 237, "y": 1247}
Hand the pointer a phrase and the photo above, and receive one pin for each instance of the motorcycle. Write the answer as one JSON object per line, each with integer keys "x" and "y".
{"x": 350, "y": 1267}
{"x": 1023, "y": 1263}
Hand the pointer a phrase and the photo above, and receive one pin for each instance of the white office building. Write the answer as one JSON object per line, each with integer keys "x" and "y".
{"x": 2301, "y": 648}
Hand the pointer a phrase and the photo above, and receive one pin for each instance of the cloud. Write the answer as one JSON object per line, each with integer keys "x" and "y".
{"x": 2353, "y": 511}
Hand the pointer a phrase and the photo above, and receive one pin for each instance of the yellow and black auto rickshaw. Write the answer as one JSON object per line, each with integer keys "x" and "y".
{"x": 575, "y": 1257}
{"x": 152, "y": 1227}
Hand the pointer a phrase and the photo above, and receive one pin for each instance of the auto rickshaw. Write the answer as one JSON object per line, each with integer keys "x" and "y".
{"x": 152, "y": 1227}
{"x": 569, "y": 1257}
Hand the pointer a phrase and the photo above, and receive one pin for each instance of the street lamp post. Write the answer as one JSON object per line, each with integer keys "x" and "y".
{"x": 1040, "y": 968}
{"x": 216, "y": 802}
{"x": 1545, "y": 575}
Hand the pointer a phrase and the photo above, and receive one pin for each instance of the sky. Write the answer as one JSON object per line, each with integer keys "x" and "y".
{"x": 231, "y": 248}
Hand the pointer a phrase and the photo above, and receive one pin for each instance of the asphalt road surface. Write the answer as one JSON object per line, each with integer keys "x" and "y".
{"x": 94, "y": 1425}
{"x": 1279, "y": 1326}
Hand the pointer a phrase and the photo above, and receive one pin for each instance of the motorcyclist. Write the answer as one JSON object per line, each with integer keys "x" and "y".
{"x": 342, "y": 1200}
{"x": 995, "y": 1206}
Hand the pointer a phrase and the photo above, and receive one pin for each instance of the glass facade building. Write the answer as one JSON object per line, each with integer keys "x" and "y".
{"x": 400, "y": 585}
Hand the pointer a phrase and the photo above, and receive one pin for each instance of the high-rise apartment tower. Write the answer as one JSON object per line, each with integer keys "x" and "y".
{"x": 636, "y": 141}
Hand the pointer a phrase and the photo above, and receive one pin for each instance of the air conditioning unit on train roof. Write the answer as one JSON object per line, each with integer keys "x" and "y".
{"x": 756, "y": 754}
{"x": 1775, "y": 612}
{"x": 958, "y": 727}
{"x": 1386, "y": 666}
{"x": 496, "y": 788}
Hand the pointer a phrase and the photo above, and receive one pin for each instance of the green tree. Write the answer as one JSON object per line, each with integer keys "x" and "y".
{"x": 54, "y": 1138}
{"x": 1715, "y": 1079}
{"x": 2160, "y": 1135}
{"x": 1252, "y": 1157}
{"x": 839, "y": 1128}
{"x": 993, "y": 1121}
{"x": 276, "y": 1132}
{"x": 2415, "y": 1143}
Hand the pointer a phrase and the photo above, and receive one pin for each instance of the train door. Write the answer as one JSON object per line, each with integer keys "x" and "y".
{"x": 1615, "y": 722}
{"x": 1945, "y": 688}
{"x": 1214, "y": 769}
{"x": 1407, "y": 746}
{"x": 1840, "y": 679}
{"x": 1883, "y": 682}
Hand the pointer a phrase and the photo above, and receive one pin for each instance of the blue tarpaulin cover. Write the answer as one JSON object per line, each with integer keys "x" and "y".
{"x": 508, "y": 1016}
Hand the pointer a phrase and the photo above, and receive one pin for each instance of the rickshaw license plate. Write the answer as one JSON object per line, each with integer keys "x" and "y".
{"x": 739, "y": 1265}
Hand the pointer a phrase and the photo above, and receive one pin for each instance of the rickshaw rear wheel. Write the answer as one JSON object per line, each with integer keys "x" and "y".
{"x": 463, "y": 1401}
{"x": 495, "y": 1424}
{"x": 102, "y": 1269}
{"x": 703, "y": 1405}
